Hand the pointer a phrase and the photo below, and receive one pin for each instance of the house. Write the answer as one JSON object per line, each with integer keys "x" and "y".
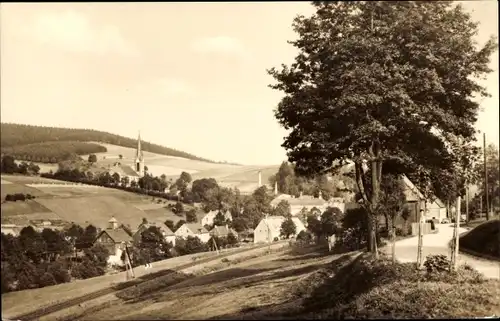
{"x": 168, "y": 235}
{"x": 193, "y": 229}
{"x": 436, "y": 209}
{"x": 40, "y": 225}
{"x": 208, "y": 218}
{"x": 308, "y": 202}
{"x": 11, "y": 229}
{"x": 269, "y": 228}
{"x": 222, "y": 231}
{"x": 115, "y": 239}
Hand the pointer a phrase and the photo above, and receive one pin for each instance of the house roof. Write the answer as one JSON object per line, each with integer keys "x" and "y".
{"x": 439, "y": 202}
{"x": 128, "y": 170}
{"x": 275, "y": 222}
{"x": 304, "y": 200}
{"x": 412, "y": 192}
{"x": 117, "y": 235}
{"x": 163, "y": 228}
{"x": 222, "y": 231}
{"x": 196, "y": 228}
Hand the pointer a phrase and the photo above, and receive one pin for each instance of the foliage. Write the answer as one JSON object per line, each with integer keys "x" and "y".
{"x": 331, "y": 221}
{"x": 152, "y": 246}
{"x": 304, "y": 237}
{"x": 179, "y": 224}
{"x": 92, "y": 158}
{"x": 179, "y": 208}
{"x": 190, "y": 245}
{"x": 282, "y": 209}
{"x": 9, "y": 166}
{"x": 493, "y": 177}
{"x": 220, "y": 219}
{"x": 14, "y": 135}
{"x": 191, "y": 216}
{"x": 365, "y": 86}
{"x": 288, "y": 228}
{"x": 373, "y": 289}
{"x": 483, "y": 239}
{"x": 170, "y": 225}
{"x": 232, "y": 239}
{"x": 437, "y": 263}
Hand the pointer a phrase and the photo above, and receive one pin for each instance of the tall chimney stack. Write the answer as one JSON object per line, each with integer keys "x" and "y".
{"x": 260, "y": 178}
{"x": 276, "y": 188}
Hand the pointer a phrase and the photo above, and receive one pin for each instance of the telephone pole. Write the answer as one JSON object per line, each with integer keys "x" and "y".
{"x": 486, "y": 179}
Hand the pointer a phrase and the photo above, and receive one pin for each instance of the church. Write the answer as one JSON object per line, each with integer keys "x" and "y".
{"x": 135, "y": 171}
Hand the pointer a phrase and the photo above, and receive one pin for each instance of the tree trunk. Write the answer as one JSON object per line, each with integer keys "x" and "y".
{"x": 393, "y": 235}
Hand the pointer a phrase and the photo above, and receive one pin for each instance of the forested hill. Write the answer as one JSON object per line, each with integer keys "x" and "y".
{"x": 14, "y": 136}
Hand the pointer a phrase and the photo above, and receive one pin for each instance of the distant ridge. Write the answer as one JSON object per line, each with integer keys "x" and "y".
{"x": 15, "y": 136}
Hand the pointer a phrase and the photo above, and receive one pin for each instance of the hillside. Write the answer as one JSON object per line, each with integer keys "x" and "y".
{"x": 82, "y": 204}
{"x": 16, "y": 137}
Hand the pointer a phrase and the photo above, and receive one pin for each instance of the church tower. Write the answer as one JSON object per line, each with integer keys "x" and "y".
{"x": 139, "y": 158}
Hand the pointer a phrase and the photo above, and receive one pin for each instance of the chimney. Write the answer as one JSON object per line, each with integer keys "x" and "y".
{"x": 319, "y": 195}
{"x": 300, "y": 195}
{"x": 260, "y": 178}
{"x": 276, "y": 188}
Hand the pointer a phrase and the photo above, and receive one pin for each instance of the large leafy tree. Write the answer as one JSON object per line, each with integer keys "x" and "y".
{"x": 378, "y": 82}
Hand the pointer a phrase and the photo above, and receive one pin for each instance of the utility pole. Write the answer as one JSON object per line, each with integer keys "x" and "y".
{"x": 128, "y": 264}
{"x": 486, "y": 179}
{"x": 454, "y": 254}
{"x": 466, "y": 202}
{"x": 268, "y": 234}
{"x": 215, "y": 245}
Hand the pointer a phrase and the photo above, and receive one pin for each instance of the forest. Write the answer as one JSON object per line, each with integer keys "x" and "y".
{"x": 27, "y": 140}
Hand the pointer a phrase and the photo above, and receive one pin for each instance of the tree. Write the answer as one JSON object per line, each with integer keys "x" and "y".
{"x": 232, "y": 239}
{"x": 263, "y": 199}
{"x": 186, "y": 177}
{"x": 170, "y": 225}
{"x": 125, "y": 181}
{"x": 179, "y": 224}
{"x": 220, "y": 219}
{"x": 191, "y": 216}
{"x": 98, "y": 254}
{"x": 288, "y": 228}
{"x": 116, "y": 178}
{"x": 200, "y": 187}
{"x": 493, "y": 177}
{"x": 283, "y": 209}
{"x": 178, "y": 208}
{"x": 331, "y": 221}
{"x": 9, "y": 165}
{"x": 92, "y": 158}
{"x": 366, "y": 87}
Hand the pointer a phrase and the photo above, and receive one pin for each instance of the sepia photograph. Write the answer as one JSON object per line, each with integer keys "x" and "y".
{"x": 266, "y": 160}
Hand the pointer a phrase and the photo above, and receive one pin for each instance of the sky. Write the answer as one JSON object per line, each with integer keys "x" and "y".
{"x": 190, "y": 76}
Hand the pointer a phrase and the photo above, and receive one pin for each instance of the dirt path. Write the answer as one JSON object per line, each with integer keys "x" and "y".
{"x": 259, "y": 283}
{"x": 406, "y": 251}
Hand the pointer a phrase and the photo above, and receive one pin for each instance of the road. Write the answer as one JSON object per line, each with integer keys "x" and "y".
{"x": 406, "y": 251}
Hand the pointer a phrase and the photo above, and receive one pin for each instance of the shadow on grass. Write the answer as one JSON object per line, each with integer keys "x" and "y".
{"x": 290, "y": 309}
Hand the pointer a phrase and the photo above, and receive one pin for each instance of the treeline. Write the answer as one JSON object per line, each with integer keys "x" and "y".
{"x": 14, "y": 135}
{"x": 8, "y": 165}
{"x": 290, "y": 183}
{"x": 38, "y": 259}
{"x": 153, "y": 247}
{"x": 52, "y": 152}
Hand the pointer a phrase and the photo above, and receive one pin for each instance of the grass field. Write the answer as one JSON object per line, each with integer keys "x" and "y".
{"x": 245, "y": 177}
{"x": 82, "y": 204}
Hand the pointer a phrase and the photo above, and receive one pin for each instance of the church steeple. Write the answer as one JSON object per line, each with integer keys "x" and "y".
{"x": 139, "y": 158}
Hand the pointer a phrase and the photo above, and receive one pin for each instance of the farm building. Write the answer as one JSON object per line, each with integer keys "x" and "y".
{"x": 208, "y": 218}
{"x": 436, "y": 209}
{"x": 269, "y": 228}
{"x": 115, "y": 239}
{"x": 193, "y": 229}
{"x": 11, "y": 229}
{"x": 308, "y": 202}
{"x": 165, "y": 231}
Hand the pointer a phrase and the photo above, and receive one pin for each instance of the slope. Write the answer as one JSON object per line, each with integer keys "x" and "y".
{"x": 14, "y": 135}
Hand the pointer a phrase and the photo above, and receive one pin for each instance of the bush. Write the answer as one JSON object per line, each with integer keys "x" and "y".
{"x": 369, "y": 289}
{"x": 483, "y": 239}
{"x": 437, "y": 263}
{"x": 47, "y": 279}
